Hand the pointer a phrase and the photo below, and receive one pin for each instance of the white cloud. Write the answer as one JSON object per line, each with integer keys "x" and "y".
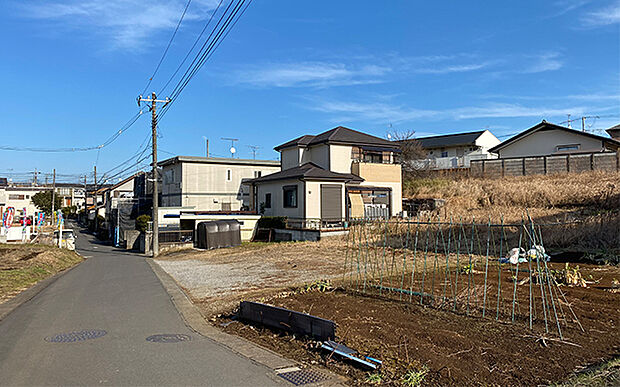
{"x": 545, "y": 62}
{"x": 385, "y": 112}
{"x": 452, "y": 68}
{"x": 127, "y": 24}
{"x": 603, "y": 17}
{"x": 565, "y": 6}
{"x": 310, "y": 74}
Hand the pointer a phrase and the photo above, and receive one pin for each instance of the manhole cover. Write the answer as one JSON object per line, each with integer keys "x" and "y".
{"x": 301, "y": 377}
{"x": 169, "y": 338}
{"x": 72, "y": 337}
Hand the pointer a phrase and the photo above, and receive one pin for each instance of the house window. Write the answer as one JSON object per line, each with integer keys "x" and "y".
{"x": 444, "y": 153}
{"x": 228, "y": 175}
{"x": 268, "y": 200}
{"x": 257, "y": 174}
{"x": 16, "y": 197}
{"x": 290, "y": 196}
{"x": 568, "y": 147}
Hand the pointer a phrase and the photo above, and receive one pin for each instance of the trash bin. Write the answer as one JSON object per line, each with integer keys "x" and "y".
{"x": 217, "y": 234}
{"x": 223, "y": 228}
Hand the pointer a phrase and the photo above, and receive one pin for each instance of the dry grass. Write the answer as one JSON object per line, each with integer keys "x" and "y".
{"x": 21, "y": 266}
{"x": 590, "y": 199}
{"x": 558, "y": 195}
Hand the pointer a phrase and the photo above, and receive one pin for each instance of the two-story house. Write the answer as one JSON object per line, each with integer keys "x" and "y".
{"x": 330, "y": 177}
{"x": 210, "y": 183}
{"x": 450, "y": 151}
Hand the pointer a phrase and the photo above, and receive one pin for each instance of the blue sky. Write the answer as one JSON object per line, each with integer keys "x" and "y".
{"x": 71, "y": 70}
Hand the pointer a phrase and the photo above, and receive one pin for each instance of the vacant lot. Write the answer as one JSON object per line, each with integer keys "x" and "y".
{"x": 218, "y": 279}
{"x": 21, "y": 266}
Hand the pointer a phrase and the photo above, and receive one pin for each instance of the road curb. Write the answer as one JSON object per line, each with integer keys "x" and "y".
{"x": 196, "y": 321}
{"x": 31, "y": 292}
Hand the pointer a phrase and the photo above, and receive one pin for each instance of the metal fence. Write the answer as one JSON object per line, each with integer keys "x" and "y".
{"x": 176, "y": 236}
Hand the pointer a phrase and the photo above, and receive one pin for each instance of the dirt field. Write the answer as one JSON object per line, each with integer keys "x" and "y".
{"x": 455, "y": 349}
{"x": 21, "y": 266}
{"x": 217, "y": 280}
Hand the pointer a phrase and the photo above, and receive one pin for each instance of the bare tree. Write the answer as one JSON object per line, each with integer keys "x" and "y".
{"x": 412, "y": 156}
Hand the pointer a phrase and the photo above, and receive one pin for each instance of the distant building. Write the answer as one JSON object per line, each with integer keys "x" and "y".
{"x": 546, "y": 139}
{"x": 20, "y": 198}
{"x": 450, "y": 151}
{"x": 614, "y": 132}
{"x": 210, "y": 184}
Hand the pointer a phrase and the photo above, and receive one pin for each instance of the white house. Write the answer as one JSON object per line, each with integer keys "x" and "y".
{"x": 333, "y": 176}
{"x": 545, "y": 139}
{"x": 210, "y": 184}
{"x": 450, "y": 151}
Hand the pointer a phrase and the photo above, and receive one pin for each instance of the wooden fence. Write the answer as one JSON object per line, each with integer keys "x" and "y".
{"x": 546, "y": 165}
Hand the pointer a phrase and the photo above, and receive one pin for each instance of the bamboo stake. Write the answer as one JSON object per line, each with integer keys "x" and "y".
{"x": 458, "y": 264}
{"x": 383, "y": 260}
{"x": 514, "y": 291}
{"x": 366, "y": 258}
{"x": 445, "y": 277}
{"x": 415, "y": 253}
{"x": 547, "y": 275}
{"x": 428, "y": 229}
{"x": 402, "y": 278}
{"x": 486, "y": 269}
{"x": 435, "y": 261}
{"x": 499, "y": 267}
{"x": 470, "y": 268}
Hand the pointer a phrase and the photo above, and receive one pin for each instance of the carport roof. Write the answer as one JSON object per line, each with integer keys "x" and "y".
{"x": 307, "y": 171}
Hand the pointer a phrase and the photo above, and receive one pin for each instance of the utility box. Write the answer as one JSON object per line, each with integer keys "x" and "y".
{"x": 217, "y": 234}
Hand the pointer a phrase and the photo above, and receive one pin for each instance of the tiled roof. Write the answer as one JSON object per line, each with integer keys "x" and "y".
{"x": 448, "y": 140}
{"x": 308, "y": 171}
{"x": 339, "y": 135}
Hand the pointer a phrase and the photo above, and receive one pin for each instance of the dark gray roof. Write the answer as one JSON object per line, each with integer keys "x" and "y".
{"x": 544, "y": 125}
{"x": 339, "y": 135}
{"x": 308, "y": 171}
{"x": 218, "y": 160}
{"x": 448, "y": 140}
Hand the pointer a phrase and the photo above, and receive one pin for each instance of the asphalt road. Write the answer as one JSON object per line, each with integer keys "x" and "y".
{"x": 116, "y": 292}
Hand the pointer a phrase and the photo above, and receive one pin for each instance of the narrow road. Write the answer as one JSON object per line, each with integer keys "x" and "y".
{"x": 118, "y": 293}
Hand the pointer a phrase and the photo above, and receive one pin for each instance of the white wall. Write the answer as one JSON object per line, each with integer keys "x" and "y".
{"x": 206, "y": 186}
{"x": 277, "y": 199}
{"x": 290, "y": 157}
{"x": 319, "y": 154}
{"x": 340, "y": 158}
{"x": 545, "y": 142}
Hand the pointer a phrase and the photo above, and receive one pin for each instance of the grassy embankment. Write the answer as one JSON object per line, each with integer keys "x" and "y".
{"x": 589, "y": 202}
{"x": 22, "y": 266}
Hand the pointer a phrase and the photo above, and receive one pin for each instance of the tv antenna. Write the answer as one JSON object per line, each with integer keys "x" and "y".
{"x": 254, "y": 150}
{"x": 233, "y": 150}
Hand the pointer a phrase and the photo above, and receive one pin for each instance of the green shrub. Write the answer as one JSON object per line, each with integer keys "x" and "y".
{"x": 272, "y": 222}
{"x": 142, "y": 222}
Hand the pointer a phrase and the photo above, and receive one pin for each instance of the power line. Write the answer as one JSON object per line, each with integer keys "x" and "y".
{"x": 167, "y": 47}
{"x": 191, "y": 49}
{"x": 107, "y": 142}
{"x": 211, "y": 45}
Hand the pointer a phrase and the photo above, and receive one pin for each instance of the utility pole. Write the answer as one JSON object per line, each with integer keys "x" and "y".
{"x": 85, "y": 196}
{"x": 95, "y": 197}
{"x": 153, "y": 100}
{"x": 54, "y": 196}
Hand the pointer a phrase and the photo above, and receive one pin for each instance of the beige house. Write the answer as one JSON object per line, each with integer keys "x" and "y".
{"x": 331, "y": 177}
{"x": 457, "y": 150}
{"x": 210, "y": 184}
{"x": 546, "y": 139}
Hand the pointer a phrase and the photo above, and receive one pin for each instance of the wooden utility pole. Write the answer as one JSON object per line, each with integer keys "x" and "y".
{"x": 53, "y": 194}
{"x": 95, "y": 197}
{"x": 153, "y": 100}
